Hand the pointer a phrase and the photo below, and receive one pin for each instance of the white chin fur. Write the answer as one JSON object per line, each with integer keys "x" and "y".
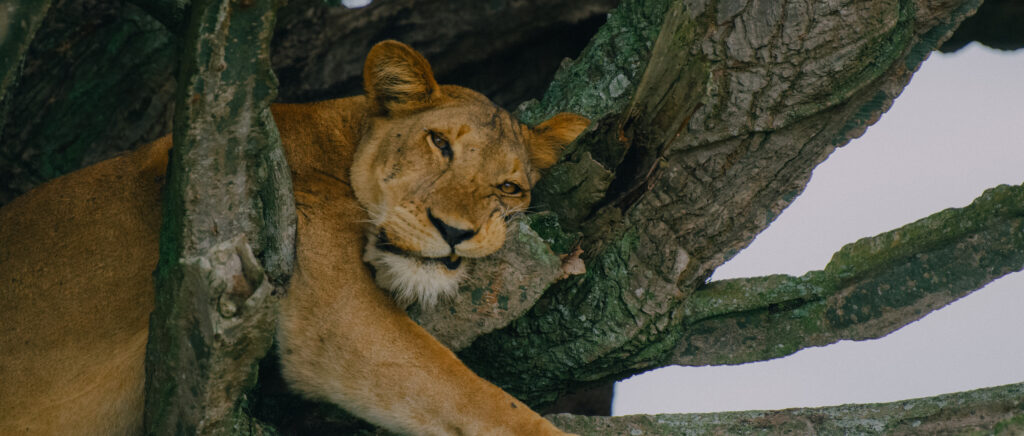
{"x": 411, "y": 280}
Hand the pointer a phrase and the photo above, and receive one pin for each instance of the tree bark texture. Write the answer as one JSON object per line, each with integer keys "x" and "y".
{"x": 869, "y": 289}
{"x": 995, "y": 411}
{"x": 227, "y": 238}
{"x": 709, "y": 118}
{"x": 97, "y": 80}
{"x": 99, "y": 76}
{"x": 19, "y": 22}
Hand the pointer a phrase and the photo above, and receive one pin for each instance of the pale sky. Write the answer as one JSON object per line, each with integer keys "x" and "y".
{"x": 955, "y": 131}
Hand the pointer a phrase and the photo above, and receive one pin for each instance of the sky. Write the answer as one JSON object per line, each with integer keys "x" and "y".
{"x": 952, "y": 133}
{"x": 355, "y": 3}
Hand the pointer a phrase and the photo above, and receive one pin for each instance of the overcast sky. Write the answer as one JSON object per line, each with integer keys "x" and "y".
{"x": 955, "y": 131}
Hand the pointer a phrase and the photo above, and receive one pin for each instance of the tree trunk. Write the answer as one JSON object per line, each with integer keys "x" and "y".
{"x": 663, "y": 193}
{"x": 709, "y": 118}
{"x": 227, "y": 238}
{"x": 100, "y": 74}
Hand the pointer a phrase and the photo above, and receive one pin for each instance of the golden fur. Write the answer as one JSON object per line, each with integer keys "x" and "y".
{"x": 421, "y": 175}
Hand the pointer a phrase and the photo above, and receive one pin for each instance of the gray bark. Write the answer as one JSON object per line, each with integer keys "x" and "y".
{"x": 869, "y": 289}
{"x": 97, "y": 80}
{"x": 662, "y": 195}
{"x": 994, "y": 411}
{"x": 100, "y": 74}
{"x": 227, "y": 238}
{"x": 709, "y": 117}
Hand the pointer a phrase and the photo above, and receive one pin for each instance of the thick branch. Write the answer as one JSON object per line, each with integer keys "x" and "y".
{"x": 996, "y": 25}
{"x": 711, "y": 116}
{"x": 749, "y": 97}
{"x": 507, "y": 50}
{"x": 99, "y": 75}
{"x": 868, "y": 290}
{"x": 171, "y": 13}
{"x": 998, "y": 410}
{"x": 97, "y": 80}
{"x": 226, "y": 244}
{"x": 501, "y": 288}
{"x": 19, "y": 22}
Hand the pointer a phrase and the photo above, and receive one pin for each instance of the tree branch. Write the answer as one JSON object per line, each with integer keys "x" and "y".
{"x": 100, "y": 73}
{"x": 173, "y": 14}
{"x": 994, "y": 25}
{"x": 998, "y": 410}
{"x": 870, "y": 288}
{"x": 226, "y": 244}
{"x": 777, "y": 88}
{"x": 98, "y": 77}
{"x": 19, "y": 22}
{"x": 709, "y": 117}
{"x": 501, "y": 288}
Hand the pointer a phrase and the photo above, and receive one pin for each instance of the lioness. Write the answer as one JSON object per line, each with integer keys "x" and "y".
{"x": 419, "y": 174}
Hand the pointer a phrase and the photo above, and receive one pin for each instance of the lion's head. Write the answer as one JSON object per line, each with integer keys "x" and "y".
{"x": 439, "y": 170}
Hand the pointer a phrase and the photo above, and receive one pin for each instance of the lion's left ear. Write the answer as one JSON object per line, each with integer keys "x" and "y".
{"x": 398, "y": 78}
{"x": 548, "y": 138}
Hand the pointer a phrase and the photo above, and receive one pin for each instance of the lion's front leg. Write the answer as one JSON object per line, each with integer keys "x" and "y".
{"x": 342, "y": 340}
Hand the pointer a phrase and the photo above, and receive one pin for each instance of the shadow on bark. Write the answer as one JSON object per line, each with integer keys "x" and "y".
{"x": 709, "y": 118}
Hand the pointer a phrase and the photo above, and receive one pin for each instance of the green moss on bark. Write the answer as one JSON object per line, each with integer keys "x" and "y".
{"x": 868, "y": 289}
{"x": 228, "y": 201}
{"x": 997, "y": 410}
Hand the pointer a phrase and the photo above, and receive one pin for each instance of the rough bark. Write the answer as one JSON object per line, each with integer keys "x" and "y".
{"x": 100, "y": 74}
{"x": 709, "y": 117}
{"x": 507, "y": 50}
{"x": 869, "y": 289}
{"x": 226, "y": 243}
{"x": 995, "y": 411}
{"x": 501, "y": 288}
{"x": 663, "y": 194}
{"x": 19, "y": 22}
{"x": 97, "y": 80}
{"x": 996, "y": 25}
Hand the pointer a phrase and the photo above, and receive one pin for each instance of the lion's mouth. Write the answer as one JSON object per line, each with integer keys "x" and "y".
{"x": 451, "y": 262}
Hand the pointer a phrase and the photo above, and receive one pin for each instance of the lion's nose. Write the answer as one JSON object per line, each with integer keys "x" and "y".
{"x": 453, "y": 236}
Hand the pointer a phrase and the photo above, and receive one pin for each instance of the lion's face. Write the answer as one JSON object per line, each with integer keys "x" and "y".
{"x": 439, "y": 173}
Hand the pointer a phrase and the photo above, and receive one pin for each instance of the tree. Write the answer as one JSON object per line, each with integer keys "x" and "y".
{"x": 709, "y": 118}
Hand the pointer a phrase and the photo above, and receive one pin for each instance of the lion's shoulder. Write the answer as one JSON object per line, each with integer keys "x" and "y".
{"x": 319, "y": 137}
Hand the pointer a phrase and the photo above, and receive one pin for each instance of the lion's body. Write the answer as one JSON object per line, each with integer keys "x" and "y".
{"x": 76, "y": 262}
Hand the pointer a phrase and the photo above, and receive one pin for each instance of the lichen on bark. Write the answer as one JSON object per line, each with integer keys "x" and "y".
{"x": 227, "y": 237}
{"x": 708, "y": 119}
{"x": 778, "y": 87}
{"x": 869, "y": 289}
{"x": 994, "y": 411}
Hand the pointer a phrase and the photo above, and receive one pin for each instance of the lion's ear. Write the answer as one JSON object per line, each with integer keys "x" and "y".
{"x": 398, "y": 78}
{"x": 551, "y": 136}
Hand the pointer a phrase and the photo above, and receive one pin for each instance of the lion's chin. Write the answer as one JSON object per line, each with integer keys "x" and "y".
{"x": 413, "y": 279}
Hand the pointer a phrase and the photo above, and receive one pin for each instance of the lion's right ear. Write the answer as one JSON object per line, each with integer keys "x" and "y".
{"x": 549, "y": 137}
{"x": 398, "y": 78}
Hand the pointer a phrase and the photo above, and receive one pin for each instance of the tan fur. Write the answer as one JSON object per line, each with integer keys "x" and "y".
{"x": 77, "y": 253}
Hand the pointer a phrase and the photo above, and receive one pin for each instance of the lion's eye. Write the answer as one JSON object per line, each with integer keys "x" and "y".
{"x": 438, "y": 140}
{"x": 509, "y": 188}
